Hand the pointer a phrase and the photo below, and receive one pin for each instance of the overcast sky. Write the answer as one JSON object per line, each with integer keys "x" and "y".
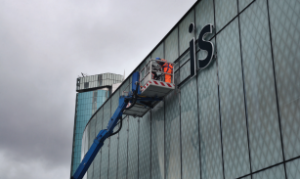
{"x": 44, "y": 46}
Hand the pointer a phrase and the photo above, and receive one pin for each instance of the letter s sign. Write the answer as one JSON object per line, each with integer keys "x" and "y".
{"x": 207, "y": 46}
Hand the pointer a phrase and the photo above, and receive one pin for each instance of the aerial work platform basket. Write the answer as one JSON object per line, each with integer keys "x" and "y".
{"x": 156, "y": 81}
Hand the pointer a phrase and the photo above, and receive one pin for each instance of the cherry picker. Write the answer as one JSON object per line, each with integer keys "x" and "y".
{"x": 148, "y": 88}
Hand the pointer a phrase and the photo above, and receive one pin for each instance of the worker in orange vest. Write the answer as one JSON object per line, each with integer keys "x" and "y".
{"x": 168, "y": 68}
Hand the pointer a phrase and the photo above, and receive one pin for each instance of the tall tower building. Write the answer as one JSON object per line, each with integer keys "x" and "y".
{"x": 92, "y": 91}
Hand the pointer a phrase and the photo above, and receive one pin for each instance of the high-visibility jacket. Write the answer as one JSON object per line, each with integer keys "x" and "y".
{"x": 168, "y": 68}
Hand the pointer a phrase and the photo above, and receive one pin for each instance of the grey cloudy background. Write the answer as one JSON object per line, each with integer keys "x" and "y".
{"x": 44, "y": 46}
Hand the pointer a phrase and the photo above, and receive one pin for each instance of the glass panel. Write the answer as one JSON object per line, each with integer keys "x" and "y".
{"x": 84, "y": 147}
{"x": 184, "y": 36}
{"x": 84, "y": 107}
{"x": 144, "y": 147}
{"x": 189, "y": 131}
{"x": 157, "y": 141}
{"x": 293, "y": 169}
{"x": 122, "y": 159}
{"x": 285, "y": 26}
{"x": 274, "y": 173}
{"x": 265, "y": 143}
{"x": 225, "y": 11}
{"x": 234, "y": 132}
{"x": 133, "y": 148}
{"x": 171, "y": 43}
{"x": 210, "y": 135}
{"x": 172, "y": 134}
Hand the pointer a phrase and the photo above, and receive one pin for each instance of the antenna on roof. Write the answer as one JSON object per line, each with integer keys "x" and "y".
{"x": 83, "y": 74}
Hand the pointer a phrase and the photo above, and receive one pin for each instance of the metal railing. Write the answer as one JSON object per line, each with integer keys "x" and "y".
{"x": 153, "y": 70}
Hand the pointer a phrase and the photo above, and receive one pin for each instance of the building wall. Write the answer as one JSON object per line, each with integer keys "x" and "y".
{"x": 238, "y": 118}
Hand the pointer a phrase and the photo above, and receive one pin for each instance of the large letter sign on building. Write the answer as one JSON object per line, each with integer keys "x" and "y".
{"x": 203, "y": 44}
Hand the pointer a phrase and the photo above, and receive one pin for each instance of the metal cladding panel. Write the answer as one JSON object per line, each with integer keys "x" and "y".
{"x": 122, "y": 151}
{"x": 204, "y": 12}
{"x": 264, "y": 134}
{"x": 157, "y": 142}
{"x": 144, "y": 146}
{"x": 284, "y": 20}
{"x": 113, "y": 147}
{"x": 189, "y": 131}
{"x": 114, "y": 102}
{"x": 172, "y": 135}
{"x": 97, "y": 161}
{"x": 158, "y": 52}
{"x": 171, "y": 46}
{"x": 209, "y": 122}
{"x": 104, "y": 160}
{"x": 293, "y": 169}
{"x": 184, "y": 70}
{"x": 124, "y": 87}
{"x": 225, "y": 11}
{"x": 133, "y": 160}
{"x": 106, "y": 114}
{"x": 236, "y": 159}
{"x": 244, "y": 3}
{"x": 184, "y": 35}
{"x": 274, "y": 173}
{"x": 105, "y": 148}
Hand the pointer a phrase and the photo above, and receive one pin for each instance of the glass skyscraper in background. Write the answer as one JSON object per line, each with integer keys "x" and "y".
{"x": 92, "y": 92}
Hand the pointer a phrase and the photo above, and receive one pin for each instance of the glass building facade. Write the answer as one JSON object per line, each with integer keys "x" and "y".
{"x": 96, "y": 93}
{"x": 239, "y": 118}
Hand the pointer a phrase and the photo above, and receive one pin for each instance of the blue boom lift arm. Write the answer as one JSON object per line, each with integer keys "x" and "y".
{"x": 132, "y": 97}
